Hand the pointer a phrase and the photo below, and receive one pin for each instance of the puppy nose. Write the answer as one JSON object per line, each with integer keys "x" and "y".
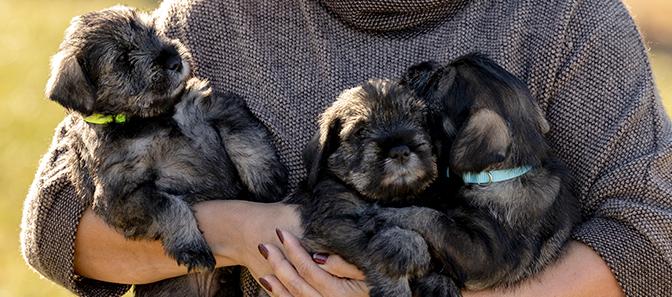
{"x": 170, "y": 59}
{"x": 173, "y": 63}
{"x": 400, "y": 153}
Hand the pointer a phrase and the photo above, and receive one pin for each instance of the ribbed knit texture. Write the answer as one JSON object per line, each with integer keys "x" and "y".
{"x": 392, "y": 15}
{"x": 583, "y": 60}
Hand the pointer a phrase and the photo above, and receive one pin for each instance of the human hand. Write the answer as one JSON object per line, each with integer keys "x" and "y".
{"x": 232, "y": 228}
{"x": 295, "y": 273}
{"x": 234, "y": 238}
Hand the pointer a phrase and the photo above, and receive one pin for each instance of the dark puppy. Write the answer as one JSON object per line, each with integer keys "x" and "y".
{"x": 372, "y": 149}
{"x": 513, "y": 211}
{"x": 148, "y": 142}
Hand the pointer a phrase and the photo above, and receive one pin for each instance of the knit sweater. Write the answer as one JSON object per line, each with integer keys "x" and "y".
{"x": 583, "y": 60}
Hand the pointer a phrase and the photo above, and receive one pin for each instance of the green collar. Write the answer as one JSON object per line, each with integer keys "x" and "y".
{"x": 494, "y": 176}
{"x": 101, "y": 119}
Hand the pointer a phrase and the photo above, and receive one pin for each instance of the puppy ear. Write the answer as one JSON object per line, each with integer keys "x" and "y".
{"x": 318, "y": 150}
{"x": 67, "y": 84}
{"x": 421, "y": 72}
{"x": 419, "y": 76}
{"x": 482, "y": 141}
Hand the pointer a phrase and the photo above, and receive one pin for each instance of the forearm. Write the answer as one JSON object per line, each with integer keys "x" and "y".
{"x": 104, "y": 254}
{"x": 579, "y": 272}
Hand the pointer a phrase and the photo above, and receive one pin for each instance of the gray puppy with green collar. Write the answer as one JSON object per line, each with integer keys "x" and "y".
{"x": 149, "y": 141}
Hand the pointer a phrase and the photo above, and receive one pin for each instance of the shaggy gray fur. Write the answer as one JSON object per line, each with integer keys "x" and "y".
{"x": 487, "y": 235}
{"x": 373, "y": 148}
{"x": 584, "y": 61}
{"x": 181, "y": 144}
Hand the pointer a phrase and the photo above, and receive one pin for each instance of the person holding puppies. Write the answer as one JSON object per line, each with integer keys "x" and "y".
{"x": 583, "y": 61}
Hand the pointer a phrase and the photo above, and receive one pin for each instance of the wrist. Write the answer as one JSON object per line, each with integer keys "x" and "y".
{"x": 579, "y": 272}
{"x": 233, "y": 229}
{"x": 582, "y": 267}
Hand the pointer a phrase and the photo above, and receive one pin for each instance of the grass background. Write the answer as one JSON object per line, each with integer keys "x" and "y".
{"x": 30, "y": 33}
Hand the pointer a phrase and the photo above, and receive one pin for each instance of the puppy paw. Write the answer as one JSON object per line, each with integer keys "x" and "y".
{"x": 196, "y": 255}
{"x": 399, "y": 253}
{"x": 272, "y": 184}
{"x": 435, "y": 284}
{"x": 375, "y": 219}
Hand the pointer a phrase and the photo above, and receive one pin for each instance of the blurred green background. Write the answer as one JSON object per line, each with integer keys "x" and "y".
{"x": 30, "y": 33}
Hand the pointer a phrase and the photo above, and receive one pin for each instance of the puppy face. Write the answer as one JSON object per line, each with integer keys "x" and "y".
{"x": 486, "y": 117}
{"x": 374, "y": 138}
{"x": 114, "y": 61}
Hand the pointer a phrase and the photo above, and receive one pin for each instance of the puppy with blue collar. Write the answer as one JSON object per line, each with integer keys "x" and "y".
{"x": 503, "y": 208}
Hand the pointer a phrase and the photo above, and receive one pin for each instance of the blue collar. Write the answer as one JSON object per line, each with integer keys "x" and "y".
{"x": 494, "y": 176}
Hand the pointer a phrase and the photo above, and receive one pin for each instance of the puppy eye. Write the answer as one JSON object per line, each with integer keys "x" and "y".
{"x": 420, "y": 145}
{"x": 123, "y": 58}
{"x": 358, "y": 132}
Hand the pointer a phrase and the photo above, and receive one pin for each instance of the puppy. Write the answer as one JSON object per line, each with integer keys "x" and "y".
{"x": 372, "y": 149}
{"x": 513, "y": 211}
{"x": 148, "y": 142}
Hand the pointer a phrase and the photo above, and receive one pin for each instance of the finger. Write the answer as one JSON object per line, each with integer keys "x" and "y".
{"x": 335, "y": 265}
{"x": 303, "y": 262}
{"x": 286, "y": 274}
{"x": 273, "y": 286}
{"x": 356, "y": 288}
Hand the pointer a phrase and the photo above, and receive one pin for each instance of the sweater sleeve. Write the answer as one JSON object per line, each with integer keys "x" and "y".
{"x": 51, "y": 215}
{"x": 618, "y": 144}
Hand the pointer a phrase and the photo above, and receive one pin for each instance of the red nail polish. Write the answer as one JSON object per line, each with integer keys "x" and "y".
{"x": 279, "y": 233}
{"x": 320, "y": 258}
{"x": 265, "y": 284}
{"x": 263, "y": 250}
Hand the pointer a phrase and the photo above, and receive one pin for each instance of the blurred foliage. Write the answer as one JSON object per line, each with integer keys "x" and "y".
{"x": 31, "y": 31}
{"x": 653, "y": 19}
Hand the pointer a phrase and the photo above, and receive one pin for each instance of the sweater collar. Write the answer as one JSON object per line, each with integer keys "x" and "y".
{"x": 392, "y": 15}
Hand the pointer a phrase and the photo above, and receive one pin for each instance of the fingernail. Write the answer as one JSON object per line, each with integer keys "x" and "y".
{"x": 263, "y": 250}
{"x": 265, "y": 284}
{"x": 320, "y": 258}
{"x": 279, "y": 233}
